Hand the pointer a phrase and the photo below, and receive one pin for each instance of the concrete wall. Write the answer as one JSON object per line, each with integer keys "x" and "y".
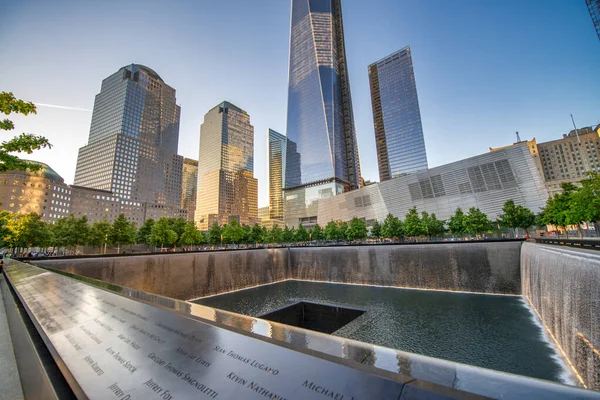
{"x": 183, "y": 276}
{"x": 471, "y": 267}
{"x": 563, "y": 286}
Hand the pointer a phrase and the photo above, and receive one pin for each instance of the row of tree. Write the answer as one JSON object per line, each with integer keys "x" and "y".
{"x": 23, "y": 231}
{"x": 574, "y": 205}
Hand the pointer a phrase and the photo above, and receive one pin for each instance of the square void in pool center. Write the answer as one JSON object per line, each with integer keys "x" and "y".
{"x": 314, "y": 316}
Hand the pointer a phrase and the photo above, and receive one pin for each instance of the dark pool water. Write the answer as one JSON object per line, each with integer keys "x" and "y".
{"x": 496, "y": 332}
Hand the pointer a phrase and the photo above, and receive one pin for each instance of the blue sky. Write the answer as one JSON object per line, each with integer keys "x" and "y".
{"x": 484, "y": 68}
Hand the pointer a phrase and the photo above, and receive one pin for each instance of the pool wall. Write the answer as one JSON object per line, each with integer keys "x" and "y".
{"x": 471, "y": 267}
{"x": 562, "y": 286}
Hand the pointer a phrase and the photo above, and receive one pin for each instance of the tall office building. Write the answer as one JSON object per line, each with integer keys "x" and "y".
{"x": 594, "y": 8}
{"x": 132, "y": 147}
{"x": 396, "y": 116}
{"x": 277, "y": 149}
{"x": 227, "y": 188}
{"x": 320, "y": 122}
{"x": 189, "y": 187}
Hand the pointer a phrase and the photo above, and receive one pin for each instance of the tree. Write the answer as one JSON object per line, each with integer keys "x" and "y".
{"x": 375, "y": 232}
{"x": 287, "y": 236}
{"x": 332, "y": 231}
{"x": 432, "y": 226}
{"x": 392, "y": 227}
{"x": 233, "y": 232}
{"x": 24, "y": 143}
{"x": 476, "y": 222}
{"x": 509, "y": 217}
{"x": 99, "y": 233}
{"x": 122, "y": 232}
{"x": 27, "y": 230}
{"x": 525, "y": 217}
{"x": 191, "y": 235}
{"x": 80, "y": 230}
{"x": 275, "y": 235}
{"x": 457, "y": 223}
{"x": 258, "y": 234}
{"x": 560, "y": 209}
{"x": 357, "y": 229}
{"x": 342, "y": 228}
{"x": 214, "y": 234}
{"x": 317, "y": 233}
{"x": 301, "y": 235}
{"x": 177, "y": 225}
{"x": 162, "y": 233}
{"x": 143, "y": 234}
{"x": 5, "y": 232}
{"x": 585, "y": 202}
{"x": 412, "y": 223}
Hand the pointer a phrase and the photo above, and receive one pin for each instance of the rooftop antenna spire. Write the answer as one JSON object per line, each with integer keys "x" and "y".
{"x": 518, "y": 137}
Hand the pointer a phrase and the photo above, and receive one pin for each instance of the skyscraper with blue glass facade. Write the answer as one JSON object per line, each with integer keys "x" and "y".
{"x": 594, "y": 9}
{"x": 320, "y": 122}
{"x": 396, "y": 116}
{"x": 132, "y": 146}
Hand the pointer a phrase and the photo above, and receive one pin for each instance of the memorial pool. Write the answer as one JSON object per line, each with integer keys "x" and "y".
{"x": 490, "y": 331}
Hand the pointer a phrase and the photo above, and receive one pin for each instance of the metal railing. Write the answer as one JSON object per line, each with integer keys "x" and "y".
{"x": 593, "y": 244}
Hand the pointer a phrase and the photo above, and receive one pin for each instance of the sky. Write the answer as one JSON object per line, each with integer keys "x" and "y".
{"x": 484, "y": 68}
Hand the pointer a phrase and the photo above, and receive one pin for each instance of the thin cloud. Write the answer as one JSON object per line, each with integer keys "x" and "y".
{"x": 62, "y": 107}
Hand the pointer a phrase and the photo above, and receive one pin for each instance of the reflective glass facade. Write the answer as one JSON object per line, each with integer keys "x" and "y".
{"x": 277, "y": 149}
{"x": 396, "y": 116}
{"x": 320, "y": 122}
{"x": 132, "y": 147}
{"x": 594, "y": 8}
{"x": 226, "y": 185}
{"x": 189, "y": 187}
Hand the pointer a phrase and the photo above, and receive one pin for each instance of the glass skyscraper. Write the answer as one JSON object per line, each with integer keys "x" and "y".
{"x": 277, "y": 150}
{"x": 322, "y": 156}
{"x": 594, "y": 8}
{"x": 189, "y": 187}
{"x": 227, "y": 188}
{"x": 396, "y": 116}
{"x": 132, "y": 146}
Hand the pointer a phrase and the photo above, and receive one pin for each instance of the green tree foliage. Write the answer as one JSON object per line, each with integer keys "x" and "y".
{"x": 357, "y": 229}
{"x": 177, "y": 225}
{"x": 5, "y": 231}
{"x": 27, "y": 230}
{"x": 24, "y": 143}
{"x": 143, "y": 234}
{"x": 431, "y": 226}
{"x": 100, "y": 233}
{"x": 516, "y": 216}
{"x": 123, "y": 232}
{"x": 247, "y": 236}
{"x": 412, "y": 223}
{"x": 191, "y": 235}
{"x": 275, "y": 235}
{"x": 162, "y": 233}
{"x": 586, "y": 200}
{"x": 342, "y": 228}
{"x": 317, "y": 233}
{"x": 457, "y": 223}
{"x": 233, "y": 232}
{"x": 258, "y": 234}
{"x": 331, "y": 231}
{"x": 375, "y": 231}
{"x": 301, "y": 235}
{"x": 392, "y": 227}
{"x": 564, "y": 209}
{"x": 214, "y": 234}
{"x": 476, "y": 222}
{"x": 287, "y": 236}
{"x": 71, "y": 231}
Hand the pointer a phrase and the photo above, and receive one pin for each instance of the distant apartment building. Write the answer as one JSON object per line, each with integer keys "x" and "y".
{"x": 227, "y": 188}
{"x": 132, "y": 146}
{"x": 485, "y": 181}
{"x": 566, "y": 159}
{"x": 396, "y": 116}
{"x": 276, "y": 154}
{"x": 594, "y": 9}
{"x": 45, "y": 193}
{"x": 189, "y": 187}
